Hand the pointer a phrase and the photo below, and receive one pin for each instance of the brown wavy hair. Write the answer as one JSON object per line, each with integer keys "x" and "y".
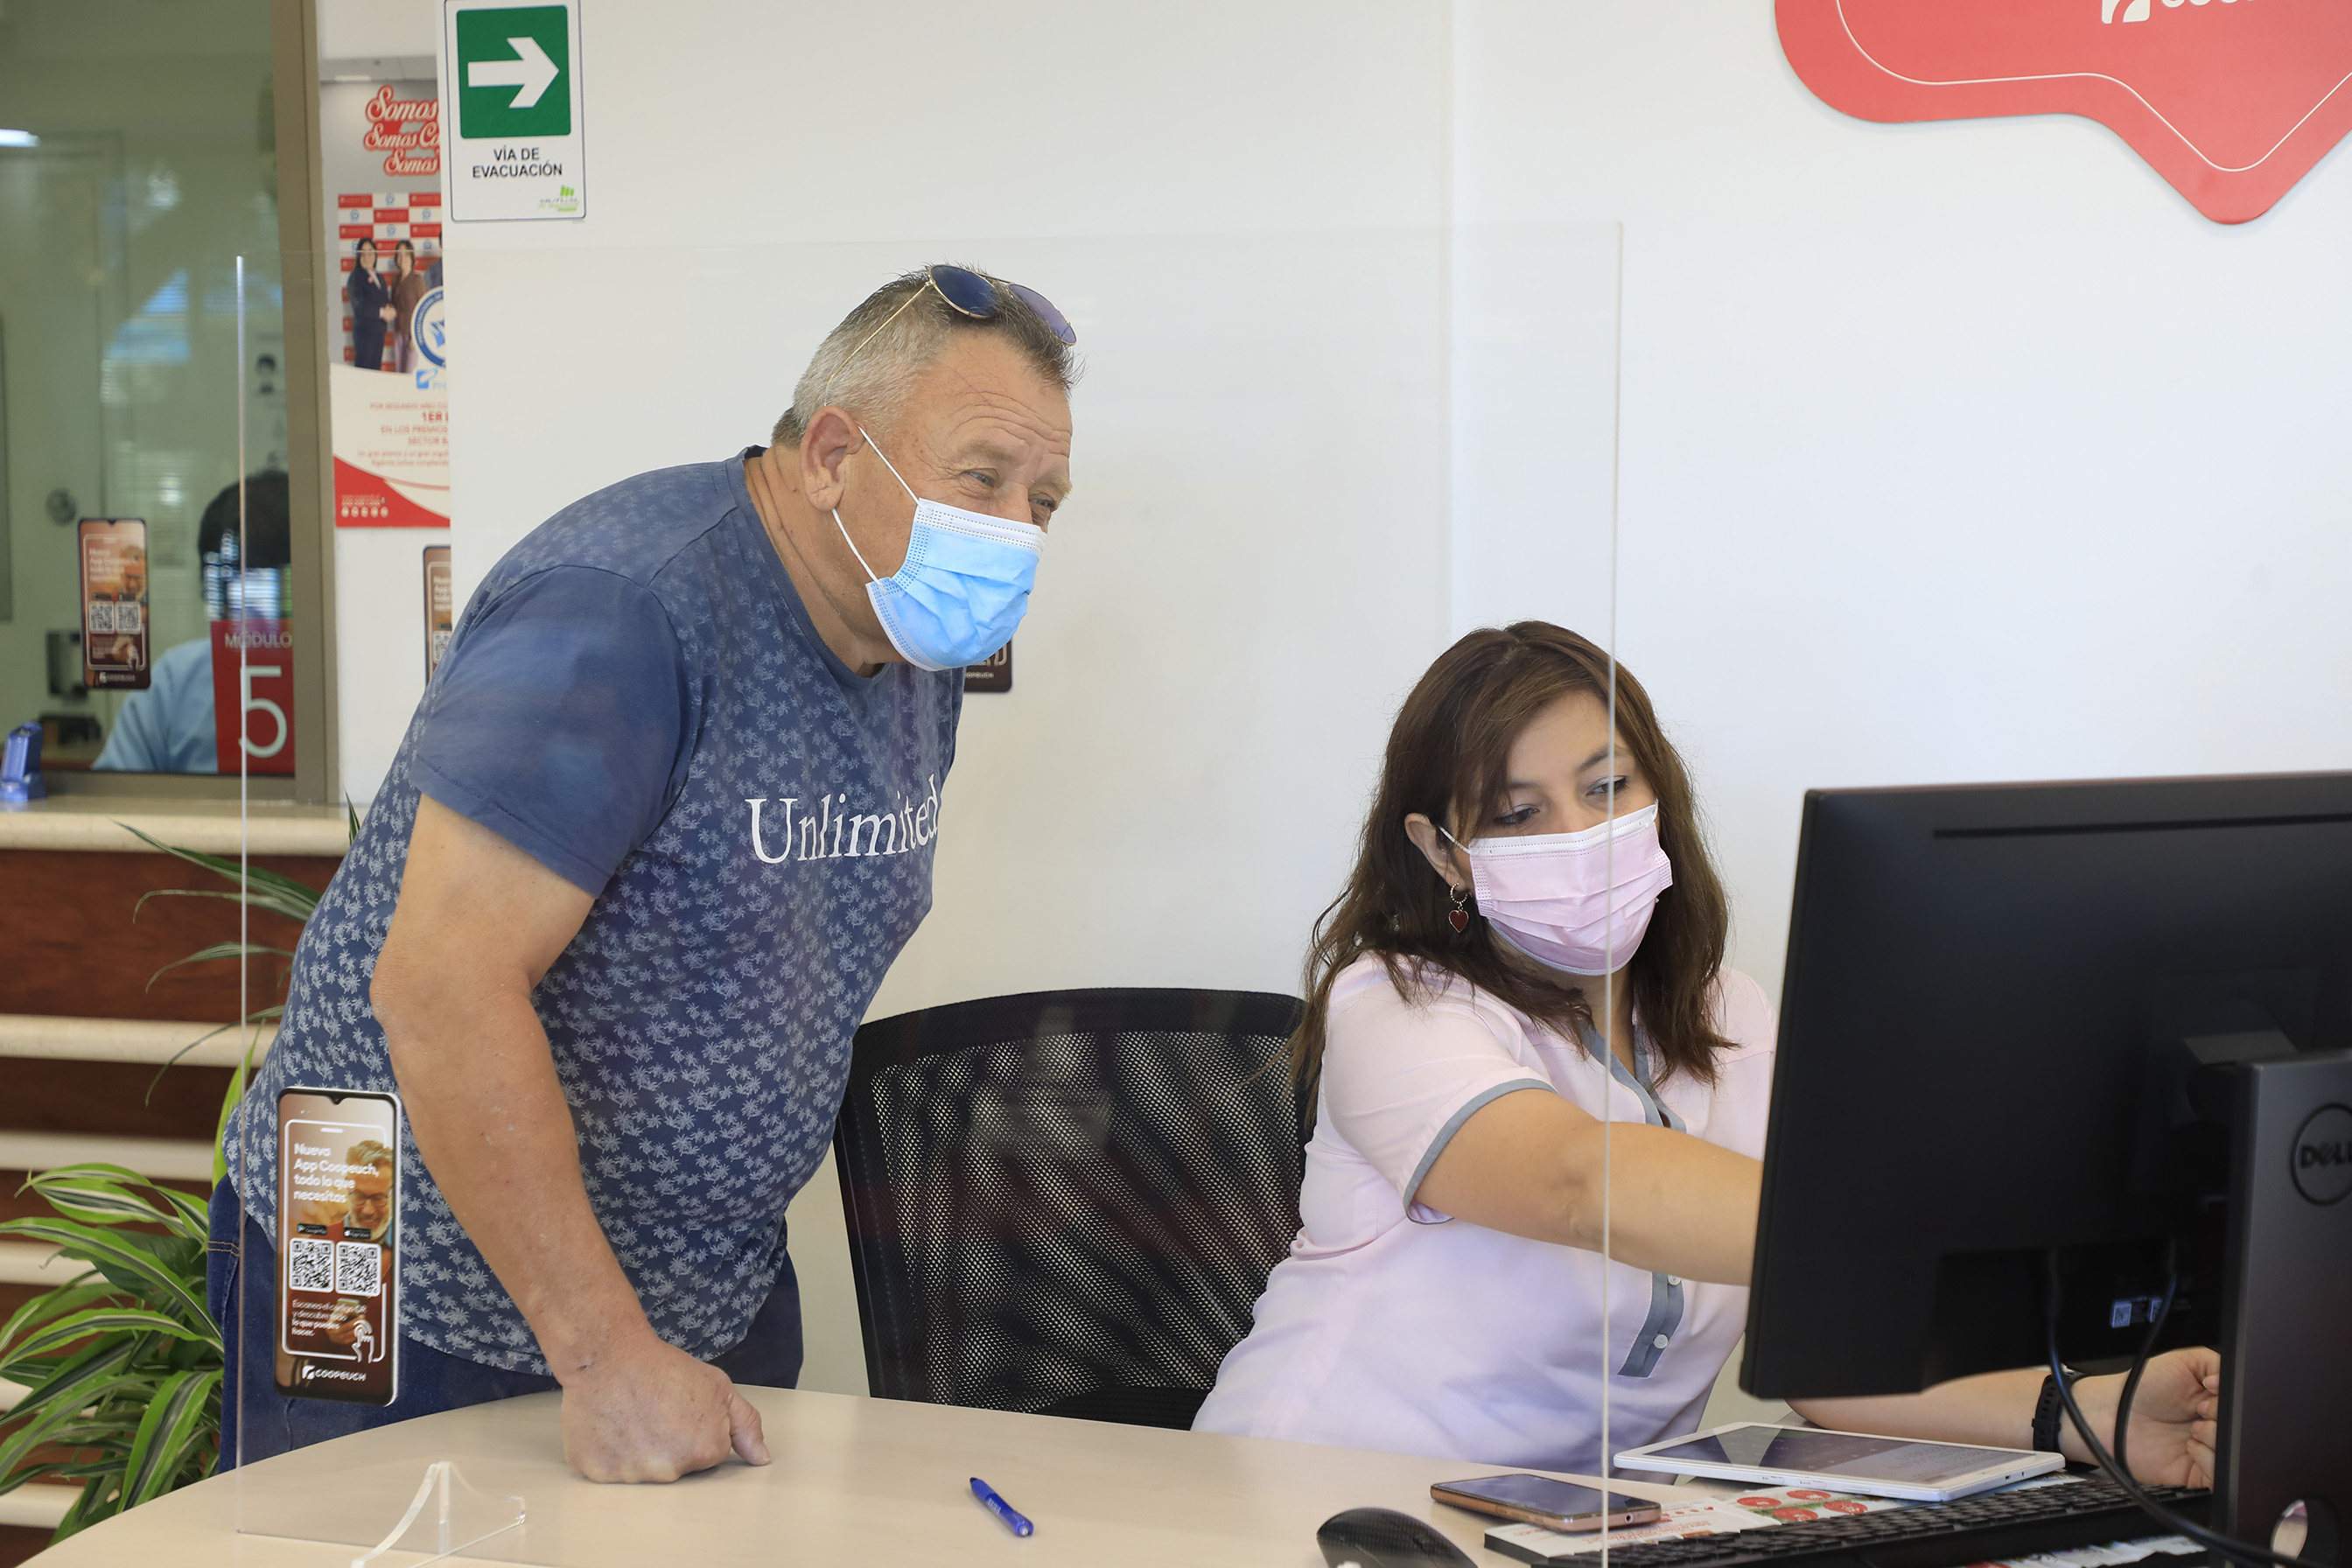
{"x": 1448, "y": 758}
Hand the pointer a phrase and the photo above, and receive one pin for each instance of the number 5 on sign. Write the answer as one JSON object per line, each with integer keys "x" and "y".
{"x": 259, "y": 690}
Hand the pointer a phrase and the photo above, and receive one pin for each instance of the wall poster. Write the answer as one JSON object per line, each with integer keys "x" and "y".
{"x": 387, "y": 392}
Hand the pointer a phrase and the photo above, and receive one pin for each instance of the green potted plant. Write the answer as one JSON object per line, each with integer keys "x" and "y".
{"x": 122, "y": 1363}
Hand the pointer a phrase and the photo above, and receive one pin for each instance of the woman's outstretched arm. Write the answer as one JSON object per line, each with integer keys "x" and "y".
{"x": 2172, "y": 1435}
{"x": 1531, "y": 1163}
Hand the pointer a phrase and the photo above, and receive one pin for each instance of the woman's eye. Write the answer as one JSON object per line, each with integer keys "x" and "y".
{"x": 1608, "y": 789}
{"x": 1518, "y": 818}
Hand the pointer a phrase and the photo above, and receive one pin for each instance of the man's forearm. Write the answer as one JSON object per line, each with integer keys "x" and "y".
{"x": 491, "y": 1121}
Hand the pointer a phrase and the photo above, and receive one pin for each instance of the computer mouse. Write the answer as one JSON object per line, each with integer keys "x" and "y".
{"x": 1383, "y": 1538}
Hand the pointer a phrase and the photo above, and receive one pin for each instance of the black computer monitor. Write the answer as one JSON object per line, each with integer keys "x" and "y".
{"x": 2096, "y": 1017}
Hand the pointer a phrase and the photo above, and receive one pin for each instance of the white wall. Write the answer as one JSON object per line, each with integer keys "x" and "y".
{"x": 1949, "y": 451}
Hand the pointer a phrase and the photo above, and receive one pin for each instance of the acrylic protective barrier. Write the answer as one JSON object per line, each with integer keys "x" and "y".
{"x": 1304, "y": 464}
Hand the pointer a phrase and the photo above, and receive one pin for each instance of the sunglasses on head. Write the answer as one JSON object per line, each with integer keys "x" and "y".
{"x": 968, "y": 293}
{"x": 975, "y": 296}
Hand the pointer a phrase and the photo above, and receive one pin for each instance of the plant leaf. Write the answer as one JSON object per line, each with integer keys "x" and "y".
{"x": 111, "y": 1194}
{"x": 103, "y": 1170}
{"x": 130, "y": 1260}
{"x": 45, "y": 1420}
{"x": 217, "y": 951}
{"x": 75, "y": 1326}
{"x": 194, "y": 857}
{"x": 94, "y": 1504}
{"x": 80, "y": 1192}
{"x": 281, "y": 904}
{"x": 46, "y": 1305}
{"x": 171, "y": 1422}
{"x": 111, "y": 1437}
{"x": 249, "y": 875}
{"x": 79, "y": 1382}
{"x": 189, "y": 1216}
{"x": 183, "y": 1256}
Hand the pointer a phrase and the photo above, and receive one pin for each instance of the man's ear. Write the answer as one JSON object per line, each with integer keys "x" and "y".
{"x": 826, "y": 446}
{"x": 1443, "y": 857}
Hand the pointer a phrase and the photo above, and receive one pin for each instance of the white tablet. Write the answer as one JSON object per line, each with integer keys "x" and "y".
{"x": 1841, "y": 1461}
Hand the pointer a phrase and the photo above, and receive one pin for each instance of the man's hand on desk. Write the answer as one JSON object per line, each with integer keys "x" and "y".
{"x": 2172, "y": 1435}
{"x": 653, "y": 1413}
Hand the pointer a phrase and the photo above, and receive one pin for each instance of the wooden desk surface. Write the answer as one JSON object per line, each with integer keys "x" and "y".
{"x": 855, "y": 1480}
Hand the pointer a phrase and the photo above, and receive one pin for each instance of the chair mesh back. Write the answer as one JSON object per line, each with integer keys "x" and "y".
{"x": 1068, "y": 1196}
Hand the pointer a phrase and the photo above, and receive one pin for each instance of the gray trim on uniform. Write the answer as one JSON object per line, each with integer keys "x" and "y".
{"x": 1665, "y": 1314}
{"x": 1453, "y": 1124}
{"x": 1657, "y": 1329}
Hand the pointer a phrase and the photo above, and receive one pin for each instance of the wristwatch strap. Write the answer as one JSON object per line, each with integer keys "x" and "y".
{"x": 2048, "y": 1411}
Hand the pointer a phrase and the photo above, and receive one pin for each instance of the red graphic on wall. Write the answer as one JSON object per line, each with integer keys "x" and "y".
{"x": 260, "y": 688}
{"x": 407, "y": 130}
{"x": 363, "y": 499}
{"x": 2232, "y": 101}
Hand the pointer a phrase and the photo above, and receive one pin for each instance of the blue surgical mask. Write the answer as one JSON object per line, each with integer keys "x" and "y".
{"x": 963, "y": 586}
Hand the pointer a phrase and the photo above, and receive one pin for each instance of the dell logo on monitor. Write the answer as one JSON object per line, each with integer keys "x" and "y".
{"x": 2322, "y": 1155}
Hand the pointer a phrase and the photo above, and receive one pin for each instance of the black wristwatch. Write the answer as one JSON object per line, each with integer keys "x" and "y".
{"x": 2049, "y": 1411}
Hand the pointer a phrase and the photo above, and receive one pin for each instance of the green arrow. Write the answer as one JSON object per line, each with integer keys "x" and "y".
{"x": 530, "y": 73}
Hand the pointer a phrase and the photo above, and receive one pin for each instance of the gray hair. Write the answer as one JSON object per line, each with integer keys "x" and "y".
{"x": 870, "y": 363}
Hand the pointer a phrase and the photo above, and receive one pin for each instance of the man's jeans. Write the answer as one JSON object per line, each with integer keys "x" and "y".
{"x": 769, "y": 1356}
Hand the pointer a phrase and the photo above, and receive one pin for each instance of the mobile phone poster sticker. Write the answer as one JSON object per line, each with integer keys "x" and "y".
{"x": 337, "y": 1229}
{"x": 114, "y": 604}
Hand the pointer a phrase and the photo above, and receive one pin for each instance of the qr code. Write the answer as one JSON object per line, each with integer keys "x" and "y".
{"x": 310, "y": 1265}
{"x": 358, "y": 1268}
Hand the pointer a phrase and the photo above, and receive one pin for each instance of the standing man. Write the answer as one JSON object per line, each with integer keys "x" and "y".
{"x": 664, "y": 818}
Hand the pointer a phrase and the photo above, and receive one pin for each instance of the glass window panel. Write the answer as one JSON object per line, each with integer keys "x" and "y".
{"x": 137, "y": 162}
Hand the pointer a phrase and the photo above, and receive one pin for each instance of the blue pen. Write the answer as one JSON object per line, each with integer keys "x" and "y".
{"x": 1006, "y": 1514}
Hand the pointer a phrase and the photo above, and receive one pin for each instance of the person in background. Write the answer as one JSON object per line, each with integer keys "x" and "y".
{"x": 589, "y": 930}
{"x": 168, "y": 727}
{"x": 408, "y": 287}
{"x": 371, "y": 309}
{"x": 1530, "y": 946}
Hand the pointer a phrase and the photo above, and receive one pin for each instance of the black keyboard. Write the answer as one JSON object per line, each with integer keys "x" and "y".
{"x": 1989, "y": 1527}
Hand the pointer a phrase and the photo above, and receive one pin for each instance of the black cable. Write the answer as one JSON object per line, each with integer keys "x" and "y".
{"x": 2236, "y": 1550}
{"x": 2146, "y": 1349}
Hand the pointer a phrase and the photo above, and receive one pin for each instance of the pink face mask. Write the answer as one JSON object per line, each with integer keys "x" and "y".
{"x": 1577, "y": 901}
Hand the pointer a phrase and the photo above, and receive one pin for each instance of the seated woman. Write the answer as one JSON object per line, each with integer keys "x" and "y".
{"x": 1531, "y": 944}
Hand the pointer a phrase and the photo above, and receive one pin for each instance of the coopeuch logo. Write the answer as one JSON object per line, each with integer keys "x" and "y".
{"x": 2322, "y": 1153}
{"x": 312, "y": 1370}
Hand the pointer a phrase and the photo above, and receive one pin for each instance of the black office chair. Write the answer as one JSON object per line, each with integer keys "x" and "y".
{"x": 1069, "y": 1202}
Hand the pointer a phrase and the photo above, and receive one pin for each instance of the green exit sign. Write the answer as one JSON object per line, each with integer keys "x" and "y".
{"x": 514, "y": 66}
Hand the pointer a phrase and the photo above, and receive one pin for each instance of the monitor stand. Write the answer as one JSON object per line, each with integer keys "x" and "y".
{"x": 2285, "y": 1427}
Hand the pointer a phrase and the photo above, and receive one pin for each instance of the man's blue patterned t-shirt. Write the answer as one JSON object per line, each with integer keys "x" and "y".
{"x": 636, "y": 699}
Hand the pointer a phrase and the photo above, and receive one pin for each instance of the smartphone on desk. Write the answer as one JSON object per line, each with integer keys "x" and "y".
{"x": 1539, "y": 1500}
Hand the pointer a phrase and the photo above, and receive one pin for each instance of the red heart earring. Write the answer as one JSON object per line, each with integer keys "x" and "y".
{"x": 1459, "y": 918}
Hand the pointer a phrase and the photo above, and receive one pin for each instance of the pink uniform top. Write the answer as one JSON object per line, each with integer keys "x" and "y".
{"x": 1392, "y": 1325}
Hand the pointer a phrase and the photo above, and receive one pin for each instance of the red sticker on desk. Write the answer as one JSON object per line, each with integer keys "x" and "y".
{"x": 2232, "y": 101}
